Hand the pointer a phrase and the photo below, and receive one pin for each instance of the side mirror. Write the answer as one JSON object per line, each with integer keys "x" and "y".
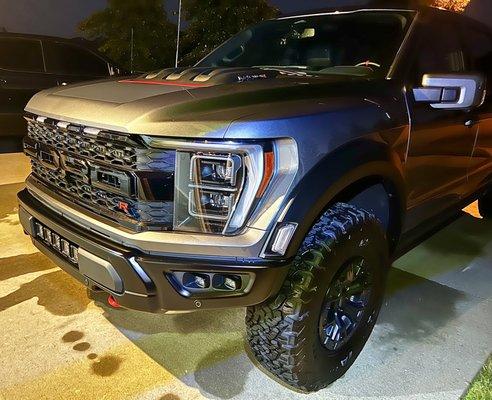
{"x": 452, "y": 91}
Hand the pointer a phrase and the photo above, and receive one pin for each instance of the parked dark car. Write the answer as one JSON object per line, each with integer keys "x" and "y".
{"x": 30, "y": 63}
{"x": 282, "y": 173}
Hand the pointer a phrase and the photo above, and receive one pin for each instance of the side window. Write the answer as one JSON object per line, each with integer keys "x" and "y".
{"x": 63, "y": 58}
{"x": 440, "y": 51}
{"x": 23, "y": 55}
{"x": 479, "y": 49}
{"x": 479, "y": 46}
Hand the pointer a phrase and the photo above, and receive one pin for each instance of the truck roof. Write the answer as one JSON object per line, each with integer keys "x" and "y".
{"x": 78, "y": 40}
{"x": 408, "y": 5}
{"x": 386, "y": 5}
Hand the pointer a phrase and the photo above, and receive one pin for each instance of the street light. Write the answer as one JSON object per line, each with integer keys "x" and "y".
{"x": 178, "y": 35}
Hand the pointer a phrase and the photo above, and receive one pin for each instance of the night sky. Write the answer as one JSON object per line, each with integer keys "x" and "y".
{"x": 60, "y": 17}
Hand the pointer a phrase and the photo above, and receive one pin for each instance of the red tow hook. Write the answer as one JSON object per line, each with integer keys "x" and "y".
{"x": 113, "y": 302}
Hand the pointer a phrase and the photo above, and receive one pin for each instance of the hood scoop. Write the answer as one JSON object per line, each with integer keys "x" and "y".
{"x": 204, "y": 76}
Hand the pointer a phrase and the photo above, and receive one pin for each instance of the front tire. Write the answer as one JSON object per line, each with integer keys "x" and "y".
{"x": 312, "y": 332}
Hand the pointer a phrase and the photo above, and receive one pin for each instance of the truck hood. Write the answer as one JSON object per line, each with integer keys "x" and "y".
{"x": 196, "y": 102}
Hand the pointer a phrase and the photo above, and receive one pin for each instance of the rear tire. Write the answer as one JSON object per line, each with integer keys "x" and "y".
{"x": 288, "y": 335}
{"x": 485, "y": 205}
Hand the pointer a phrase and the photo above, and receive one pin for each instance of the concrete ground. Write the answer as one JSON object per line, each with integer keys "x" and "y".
{"x": 434, "y": 333}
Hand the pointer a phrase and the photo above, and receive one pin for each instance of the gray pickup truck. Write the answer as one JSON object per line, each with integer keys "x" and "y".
{"x": 283, "y": 173}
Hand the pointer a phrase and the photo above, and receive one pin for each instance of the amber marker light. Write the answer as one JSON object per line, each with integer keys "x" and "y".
{"x": 269, "y": 167}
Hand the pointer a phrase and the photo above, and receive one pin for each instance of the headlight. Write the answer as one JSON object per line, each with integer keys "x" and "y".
{"x": 215, "y": 170}
{"x": 218, "y": 186}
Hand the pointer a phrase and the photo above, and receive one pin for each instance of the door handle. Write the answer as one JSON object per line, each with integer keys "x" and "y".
{"x": 470, "y": 122}
{"x": 3, "y": 81}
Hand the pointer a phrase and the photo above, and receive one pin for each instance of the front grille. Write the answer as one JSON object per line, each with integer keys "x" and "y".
{"x": 115, "y": 149}
{"x": 112, "y": 174}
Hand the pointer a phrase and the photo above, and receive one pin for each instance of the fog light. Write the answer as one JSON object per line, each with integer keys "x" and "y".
{"x": 56, "y": 241}
{"x": 74, "y": 254}
{"x": 65, "y": 248}
{"x": 196, "y": 281}
{"x": 227, "y": 282}
{"x": 231, "y": 284}
{"x": 47, "y": 235}
{"x": 39, "y": 230}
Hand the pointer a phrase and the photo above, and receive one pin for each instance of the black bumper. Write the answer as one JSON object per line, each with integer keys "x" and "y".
{"x": 146, "y": 282}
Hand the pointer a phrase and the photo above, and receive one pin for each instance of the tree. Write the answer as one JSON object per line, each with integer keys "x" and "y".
{"x": 154, "y": 37}
{"x": 211, "y": 22}
{"x": 454, "y": 5}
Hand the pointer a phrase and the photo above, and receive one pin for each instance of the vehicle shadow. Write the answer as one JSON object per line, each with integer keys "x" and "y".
{"x": 58, "y": 293}
{"x": 455, "y": 246}
{"x": 417, "y": 303}
{"x": 8, "y": 203}
{"x": 206, "y": 349}
{"x": 197, "y": 348}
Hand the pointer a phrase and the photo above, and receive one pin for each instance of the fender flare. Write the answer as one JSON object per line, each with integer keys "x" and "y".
{"x": 337, "y": 172}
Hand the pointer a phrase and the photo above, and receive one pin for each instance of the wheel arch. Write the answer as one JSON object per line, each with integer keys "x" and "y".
{"x": 381, "y": 197}
{"x": 365, "y": 176}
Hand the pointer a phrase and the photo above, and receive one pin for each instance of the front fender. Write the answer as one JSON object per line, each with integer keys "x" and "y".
{"x": 355, "y": 162}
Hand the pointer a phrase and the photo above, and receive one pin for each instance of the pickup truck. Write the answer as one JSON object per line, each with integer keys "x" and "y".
{"x": 282, "y": 173}
{"x": 30, "y": 63}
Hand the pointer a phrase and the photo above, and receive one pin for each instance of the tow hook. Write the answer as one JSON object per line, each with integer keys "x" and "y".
{"x": 113, "y": 302}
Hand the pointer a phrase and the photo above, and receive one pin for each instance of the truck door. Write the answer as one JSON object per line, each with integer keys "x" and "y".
{"x": 440, "y": 144}
{"x": 478, "y": 42}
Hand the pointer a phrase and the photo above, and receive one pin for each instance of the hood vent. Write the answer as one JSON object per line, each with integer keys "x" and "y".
{"x": 211, "y": 76}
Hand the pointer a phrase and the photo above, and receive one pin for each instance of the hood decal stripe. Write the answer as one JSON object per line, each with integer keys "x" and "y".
{"x": 163, "y": 83}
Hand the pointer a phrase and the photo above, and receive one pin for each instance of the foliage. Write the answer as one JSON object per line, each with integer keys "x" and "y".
{"x": 154, "y": 36}
{"x": 481, "y": 388}
{"x": 211, "y": 22}
{"x": 454, "y": 5}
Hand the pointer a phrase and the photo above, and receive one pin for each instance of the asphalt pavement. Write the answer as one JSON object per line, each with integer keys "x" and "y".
{"x": 433, "y": 335}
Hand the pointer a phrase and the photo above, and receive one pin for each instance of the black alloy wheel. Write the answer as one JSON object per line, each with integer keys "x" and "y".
{"x": 345, "y": 304}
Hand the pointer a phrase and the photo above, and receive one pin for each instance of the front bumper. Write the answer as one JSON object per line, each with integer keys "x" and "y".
{"x": 144, "y": 280}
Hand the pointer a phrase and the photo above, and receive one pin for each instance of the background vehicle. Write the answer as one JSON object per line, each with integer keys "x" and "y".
{"x": 30, "y": 63}
{"x": 282, "y": 173}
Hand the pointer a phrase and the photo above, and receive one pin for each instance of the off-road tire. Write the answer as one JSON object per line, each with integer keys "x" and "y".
{"x": 485, "y": 205}
{"x": 283, "y": 333}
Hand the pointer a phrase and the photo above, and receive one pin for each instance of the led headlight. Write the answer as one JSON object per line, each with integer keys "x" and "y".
{"x": 213, "y": 205}
{"x": 215, "y": 170}
{"x": 216, "y": 185}
{"x": 219, "y": 186}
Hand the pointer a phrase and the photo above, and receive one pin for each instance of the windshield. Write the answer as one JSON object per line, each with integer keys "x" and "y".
{"x": 358, "y": 43}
